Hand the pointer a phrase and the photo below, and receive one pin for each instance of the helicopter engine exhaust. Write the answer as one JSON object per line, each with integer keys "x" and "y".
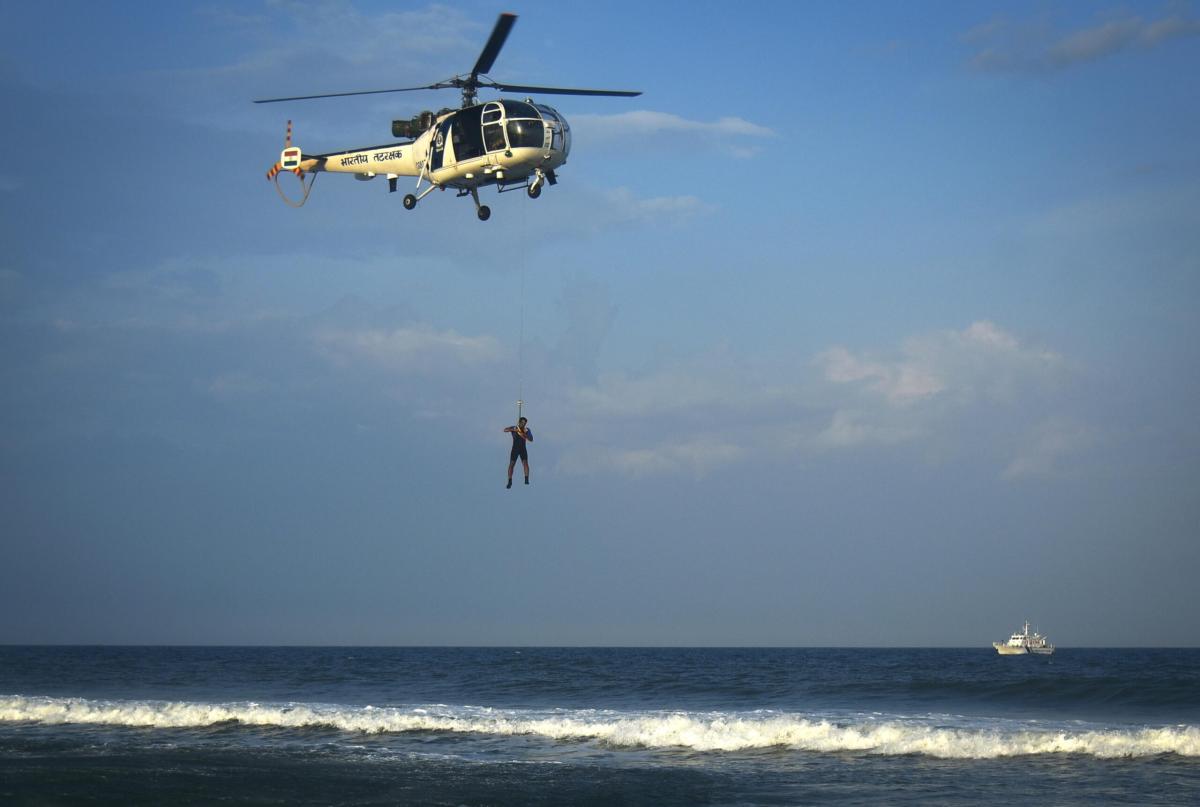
{"x": 415, "y": 126}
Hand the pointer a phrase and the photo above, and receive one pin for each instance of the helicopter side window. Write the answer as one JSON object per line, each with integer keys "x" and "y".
{"x": 526, "y": 133}
{"x": 493, "y": 136}
{"x": 492, "y": 112}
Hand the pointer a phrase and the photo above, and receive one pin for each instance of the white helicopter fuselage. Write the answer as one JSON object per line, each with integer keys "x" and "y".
{"x": 496, "y": 143}
{"x": 506, "y": 143}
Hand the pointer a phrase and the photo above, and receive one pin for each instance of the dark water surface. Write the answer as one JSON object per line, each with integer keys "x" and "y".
{"x": 105, "y": 725}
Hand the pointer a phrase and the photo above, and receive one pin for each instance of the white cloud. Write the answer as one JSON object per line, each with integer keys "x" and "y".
{"x": 899, "y": 382}
{"x": 947, "y": 393}
{"x": 737, "y": 135}
{"x": 1140, "y": 225}
{"x": 712, "y": 386}
{"x": 1043, "y": 450}
{"x": 1033, "y": 46}
{"x": 698, "y": 456}
{"x": 350, "y": 37}
{"x": 625, "y": 206}
{"x": 416, "y": 347}
{"x": 646, "y": 122}
{"x": 986, "y": 333}
{"x": 848, "y": 428}
{"x": 588, "y": 212}
{"x": 981, "y": 361}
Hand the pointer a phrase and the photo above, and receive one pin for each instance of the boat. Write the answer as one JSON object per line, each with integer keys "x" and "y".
{"x": 1021, "y": 643}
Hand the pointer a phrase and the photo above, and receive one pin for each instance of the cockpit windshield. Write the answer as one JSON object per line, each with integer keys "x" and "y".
{"x": 523, "y": 125}
{"x": 526, "y": 134}
{"x": 560, "y": 139}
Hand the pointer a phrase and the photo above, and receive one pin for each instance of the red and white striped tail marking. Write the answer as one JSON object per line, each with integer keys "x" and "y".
{"x": 289, "y": 160}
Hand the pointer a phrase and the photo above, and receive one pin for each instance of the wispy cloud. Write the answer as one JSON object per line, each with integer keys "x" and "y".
{"x": 933, "y": 390}
{"x": 982, "y": 360}
{"x": 898, "y": 382}
{"x": 1043, "y": 450}
{"x": 738, "y": 136}
{"x": 586, "y": 211}
{"x": 415, "y": 347}
{"x": 697, "y": 456}
{"x": 348, "y": 34}
{"x": 321, "y": 46}
{"x": 1004, "y": 45}
{"x": 849, "y": 428}
{"x": 628, "y": 207}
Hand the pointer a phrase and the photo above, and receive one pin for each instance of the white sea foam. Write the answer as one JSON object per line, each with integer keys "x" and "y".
{"x": 700, "y": 731}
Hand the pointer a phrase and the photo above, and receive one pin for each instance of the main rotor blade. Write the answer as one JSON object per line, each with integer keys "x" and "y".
{"x": 343, "y": 94}
{"x": 496, "y": 41}
{"x": 561, "y": 90}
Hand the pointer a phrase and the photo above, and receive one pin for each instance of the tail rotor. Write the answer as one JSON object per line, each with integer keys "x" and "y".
{"x": 290, "y": 160}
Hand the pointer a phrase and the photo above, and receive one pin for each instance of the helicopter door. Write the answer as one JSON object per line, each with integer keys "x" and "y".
{"x": 493, "y": 129}
{"x": 437, "y": 153}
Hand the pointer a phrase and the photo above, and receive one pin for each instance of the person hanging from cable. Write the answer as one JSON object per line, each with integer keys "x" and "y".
{"x": 521, "y": 434}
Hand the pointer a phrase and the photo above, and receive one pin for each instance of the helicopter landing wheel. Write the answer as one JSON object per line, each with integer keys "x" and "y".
{"x": 534, "y": 191}
{"x": 484, "y": 212}
{"x": 410, "y": 201}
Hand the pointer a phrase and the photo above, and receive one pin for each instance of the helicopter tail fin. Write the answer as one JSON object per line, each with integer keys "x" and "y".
{"x": 289, "y": 158}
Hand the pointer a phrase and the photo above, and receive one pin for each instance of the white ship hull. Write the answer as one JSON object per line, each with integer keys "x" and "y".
{"x": 1021, "y": 644}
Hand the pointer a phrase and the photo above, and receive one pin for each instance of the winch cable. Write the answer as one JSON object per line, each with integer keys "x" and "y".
{"x": 521, "y": 341}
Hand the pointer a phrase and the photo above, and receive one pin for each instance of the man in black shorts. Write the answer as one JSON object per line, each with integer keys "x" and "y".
{"x": 522, "y": 434}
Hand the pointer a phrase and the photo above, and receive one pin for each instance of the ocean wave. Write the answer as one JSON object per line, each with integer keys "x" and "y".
{"x": 699, "y": 731}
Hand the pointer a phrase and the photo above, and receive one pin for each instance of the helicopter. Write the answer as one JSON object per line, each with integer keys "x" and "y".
{"x": 507, "y": 143}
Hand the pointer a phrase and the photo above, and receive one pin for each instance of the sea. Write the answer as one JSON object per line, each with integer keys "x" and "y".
{"x": 597, "y": 726}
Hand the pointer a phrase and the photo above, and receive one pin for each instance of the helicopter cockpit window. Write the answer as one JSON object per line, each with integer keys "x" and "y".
{"x": 492, "y": 112}
{"x": 526, "y": 134}
{"x": 519, "y": 109}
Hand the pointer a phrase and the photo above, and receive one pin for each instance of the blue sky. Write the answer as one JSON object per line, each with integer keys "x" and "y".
{"x": 867, "y": 324}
